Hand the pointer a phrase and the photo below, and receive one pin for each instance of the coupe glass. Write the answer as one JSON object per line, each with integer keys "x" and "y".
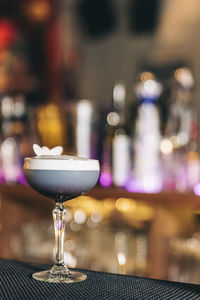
{"x": 61, "y": 178}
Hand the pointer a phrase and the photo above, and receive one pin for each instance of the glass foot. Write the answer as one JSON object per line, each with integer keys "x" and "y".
{"x": 59, "y": 277}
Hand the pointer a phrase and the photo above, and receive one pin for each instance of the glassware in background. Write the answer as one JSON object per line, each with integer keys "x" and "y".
{"x": 15, "y": 140}
{"x": 147, "y": 137}
{"x": 121, "y": 144}
{"x": 121, "y": 244}
{"x": 94, "y": 228}
{"x": 184, "y": 259}
{"x": 17, "y": 86}
{"x": 84, "y": 114}
{"x": 121, "y": 160}
{"x": 179, "y": 145}
{"x": 80, "y": 122}
{"x": 165, "y": 133}
{"x": 115, "y": 160}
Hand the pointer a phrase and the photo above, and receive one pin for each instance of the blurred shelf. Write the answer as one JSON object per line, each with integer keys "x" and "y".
{"x": 25, "y": 195}
{"x": 164, "y": 198}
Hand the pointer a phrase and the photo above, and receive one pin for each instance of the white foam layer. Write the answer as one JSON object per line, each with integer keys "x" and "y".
{"x": 62, "y": 162}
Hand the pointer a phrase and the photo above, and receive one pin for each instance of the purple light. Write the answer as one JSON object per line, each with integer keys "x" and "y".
{"x": 2, "y": 177}
{"x": 134, "y": 186}
{"x": 22, "y": 179}
{"x": 197, "y": 189}
{"x": 105, "y": 179}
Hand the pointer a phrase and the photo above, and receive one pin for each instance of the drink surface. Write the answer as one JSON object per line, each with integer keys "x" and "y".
{"x": 61, "y": 178}
{"x": 61, "y": 162}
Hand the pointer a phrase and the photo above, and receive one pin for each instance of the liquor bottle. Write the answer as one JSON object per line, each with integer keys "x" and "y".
{"x": 192, "y": 155}
{"x": 84, "y": 114}
{"x": 15, "y": 144}
{"x": 107, "y": 123}
{"x": 147, "y": 136}
{"x": 121, "y": 140}
{"x": 182, "y": 132}
{"x": 115, "y": 158}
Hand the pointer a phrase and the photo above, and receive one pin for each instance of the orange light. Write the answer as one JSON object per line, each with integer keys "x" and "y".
{"x": 125, "y": 204}
{"x": 146, "y": 76}
{"x": 50, "y": 125}
{"x": 38, "y": 11}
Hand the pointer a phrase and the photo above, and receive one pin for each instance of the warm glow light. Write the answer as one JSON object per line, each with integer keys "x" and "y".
{"x": 68, "y": 215}
{"x": 174, "y": 141}
{"x": 113, "y": 118}
{"x": 194, "y": 156}
{"x": 70, "y": 245}
{"x": 69, "y": 259}
{"x": 38, "y": 10}
{"x": 144, "y": 212}
{"x": 108, "y": 204}
{"x": 184, "y": 77}
{"x": 75, "y": 226}
{"x": 192, "y": 243}
{"x": 166, "y": 146}
{"x": 121, "y": 258}
{"x": 96, "y": 217}
{"x": 79, "y": 216}
{"x": 146, "y": 76}
{"x": 125, "y": 204}
{"x": 50, "y": 126}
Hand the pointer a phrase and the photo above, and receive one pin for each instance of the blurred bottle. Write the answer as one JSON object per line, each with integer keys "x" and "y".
{"x": 179, "y": 147}
{"x": 84, "y": 114}
{"x": 147, "y": 136}
{"x": 116, "y": 143}
{"x": 121, "y": 250}
{"x": 141, "y": 253}
{"x": 121, "y": 140}
{"x": 15, "y": 143}
{"x": 192, "y": 155}
{"x": 81, "y": 128}
{"x": 17, "y": 84}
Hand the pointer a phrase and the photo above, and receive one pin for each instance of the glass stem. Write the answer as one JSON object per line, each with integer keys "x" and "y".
{"x": 59, "y": 214}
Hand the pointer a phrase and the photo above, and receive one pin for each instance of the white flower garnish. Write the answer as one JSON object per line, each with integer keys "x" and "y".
{"x": 46, "y": 151}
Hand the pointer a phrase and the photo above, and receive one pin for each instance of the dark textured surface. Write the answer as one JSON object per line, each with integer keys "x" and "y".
{"x": 16, "y": 283}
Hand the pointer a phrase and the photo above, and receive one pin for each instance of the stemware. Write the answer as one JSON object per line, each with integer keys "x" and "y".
{"x": 61, "y": 178}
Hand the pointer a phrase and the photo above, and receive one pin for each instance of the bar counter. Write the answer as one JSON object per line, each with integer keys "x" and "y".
{"x": 172, "y": 217}
{"x": 17, "y": 283}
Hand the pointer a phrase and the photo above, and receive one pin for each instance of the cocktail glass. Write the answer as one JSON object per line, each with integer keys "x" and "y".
{"x": 61, "y": 178}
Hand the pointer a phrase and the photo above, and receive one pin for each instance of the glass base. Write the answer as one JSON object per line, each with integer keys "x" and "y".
{"x": 59, "y": 276}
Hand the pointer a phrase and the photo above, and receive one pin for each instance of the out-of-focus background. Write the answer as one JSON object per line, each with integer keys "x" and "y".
{"x": 119, "y": 81}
